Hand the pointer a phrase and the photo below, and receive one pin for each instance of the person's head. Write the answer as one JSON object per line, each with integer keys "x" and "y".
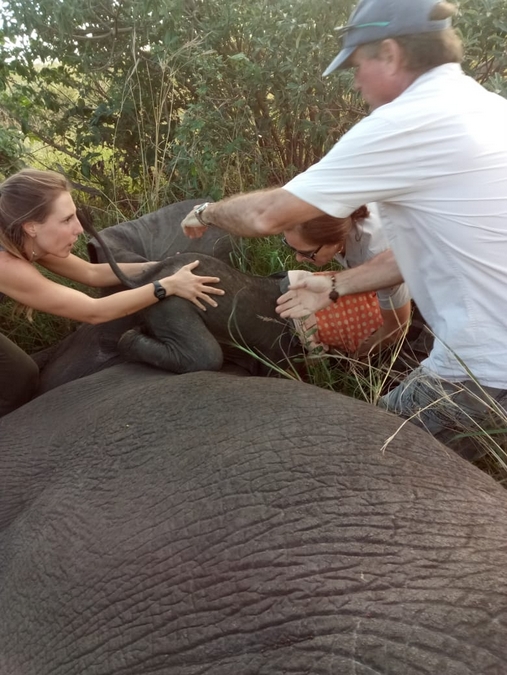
{"x": 320, "y": 239}
{"x": 392, "y": 42}
{"x": 37, "y": 215}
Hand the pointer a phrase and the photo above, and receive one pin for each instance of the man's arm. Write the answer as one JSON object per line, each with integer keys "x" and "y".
{"x": 256, "y": 214}
{"x": 382, "y": 271}
{"x": 312, "y": 293}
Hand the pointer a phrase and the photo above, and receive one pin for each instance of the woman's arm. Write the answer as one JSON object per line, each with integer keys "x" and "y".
{"x": 97, "y": 275}
{"x": 25, "y": 284}
{"x": 395, "y": 322}
{"x": 312, "y": 293}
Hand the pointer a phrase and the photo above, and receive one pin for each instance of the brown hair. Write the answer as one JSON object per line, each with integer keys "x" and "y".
{"x": 27, "y": 196}
{"x": 325, "y": 229}
{"x": 424, "y": 51}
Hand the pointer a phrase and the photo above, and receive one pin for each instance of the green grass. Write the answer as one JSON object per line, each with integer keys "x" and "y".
{"x": 32, "y": 335}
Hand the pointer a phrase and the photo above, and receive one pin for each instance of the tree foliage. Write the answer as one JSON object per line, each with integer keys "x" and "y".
{"x": 184, "y": 90}
{"x": 171, "y": 98}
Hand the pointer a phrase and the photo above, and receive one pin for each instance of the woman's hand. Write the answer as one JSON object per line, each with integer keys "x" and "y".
{"x": 371, "y": 345}
{"x": 191, "y": 287}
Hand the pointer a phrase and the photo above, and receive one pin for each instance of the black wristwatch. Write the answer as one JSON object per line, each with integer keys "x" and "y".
{"x": 159, "y": 291}
{"x": 199, "y": 210}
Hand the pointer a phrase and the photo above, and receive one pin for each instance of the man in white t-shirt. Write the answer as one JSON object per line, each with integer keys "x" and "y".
{"x": 433, "y": 155}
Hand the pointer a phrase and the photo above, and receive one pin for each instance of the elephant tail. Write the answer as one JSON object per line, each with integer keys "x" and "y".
{"x": 89, "y": 229}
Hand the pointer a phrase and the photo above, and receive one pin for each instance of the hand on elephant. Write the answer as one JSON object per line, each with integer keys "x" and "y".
{"x": 187, "y": 285}
{"x": 308, "y": 294}
{"x": 192, "y": 228}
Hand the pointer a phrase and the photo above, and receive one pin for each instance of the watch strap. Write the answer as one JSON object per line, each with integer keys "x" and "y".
{"x": 198, "y": 213}
{"x": 158, "y": 290}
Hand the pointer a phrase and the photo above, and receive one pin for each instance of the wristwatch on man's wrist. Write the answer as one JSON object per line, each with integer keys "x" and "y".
{"x": 159, "y": 291}
{"x": 199, "y": 210}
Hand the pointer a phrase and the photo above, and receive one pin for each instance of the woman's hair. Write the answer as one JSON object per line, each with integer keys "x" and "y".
{"x": 27, "y": 196}
{"x": 326, "y": 229}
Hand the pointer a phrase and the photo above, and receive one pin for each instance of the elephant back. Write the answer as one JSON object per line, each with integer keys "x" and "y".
{"x": 203, "y": 523}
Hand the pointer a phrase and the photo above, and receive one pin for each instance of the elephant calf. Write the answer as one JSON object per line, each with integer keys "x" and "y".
{"x": 177, "y": 336}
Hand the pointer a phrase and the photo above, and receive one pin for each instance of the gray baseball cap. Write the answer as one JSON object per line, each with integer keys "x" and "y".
{"x": 374, "y": 20}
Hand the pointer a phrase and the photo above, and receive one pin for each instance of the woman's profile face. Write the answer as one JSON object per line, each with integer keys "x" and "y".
{"x": 307, "y": 252}
{"x": 59, "y": 232}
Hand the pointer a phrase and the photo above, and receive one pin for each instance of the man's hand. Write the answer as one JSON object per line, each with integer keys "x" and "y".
{"x": 306, "y": 296}
{"x": 192, "y": 228}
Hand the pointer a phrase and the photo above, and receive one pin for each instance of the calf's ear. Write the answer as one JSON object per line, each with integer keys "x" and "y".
{"x": 158, "y": 235}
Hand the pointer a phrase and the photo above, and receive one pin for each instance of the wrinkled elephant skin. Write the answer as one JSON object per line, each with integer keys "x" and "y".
{"x": 208, "y": 524}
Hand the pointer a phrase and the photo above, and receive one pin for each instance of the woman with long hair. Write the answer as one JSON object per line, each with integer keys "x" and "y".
{"x": 38, "y": 224}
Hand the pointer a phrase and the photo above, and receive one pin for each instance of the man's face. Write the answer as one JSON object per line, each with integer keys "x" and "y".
{"x": 374, "y": 78}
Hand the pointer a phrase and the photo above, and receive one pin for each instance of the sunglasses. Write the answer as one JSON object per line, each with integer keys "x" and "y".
{"x": 309, "y": 255}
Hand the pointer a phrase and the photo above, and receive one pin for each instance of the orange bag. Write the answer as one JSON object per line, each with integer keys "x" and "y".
{"x": 344, "y": 324}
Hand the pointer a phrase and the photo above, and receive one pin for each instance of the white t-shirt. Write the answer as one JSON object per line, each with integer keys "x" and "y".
{"x": 435, "y": 161}
{"x": 364, "y": 242}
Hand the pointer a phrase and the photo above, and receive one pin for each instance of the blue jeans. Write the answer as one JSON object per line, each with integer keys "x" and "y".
{"x": 448, "y": 409}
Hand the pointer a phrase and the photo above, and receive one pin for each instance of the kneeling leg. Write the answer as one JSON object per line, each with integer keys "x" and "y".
{"x": 184, "y": 345}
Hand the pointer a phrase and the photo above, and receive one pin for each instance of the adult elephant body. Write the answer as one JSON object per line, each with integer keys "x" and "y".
{"x": 210, "y": 524}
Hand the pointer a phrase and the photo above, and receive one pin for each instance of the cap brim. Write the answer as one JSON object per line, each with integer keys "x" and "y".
{"x": 339, "y": 61}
